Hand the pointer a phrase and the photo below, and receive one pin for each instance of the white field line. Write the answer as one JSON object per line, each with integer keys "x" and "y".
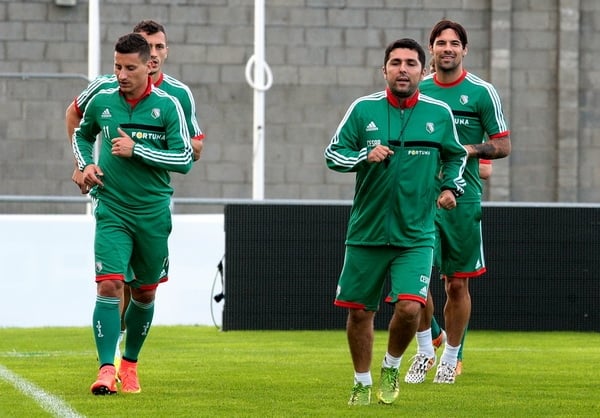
{"x": 48, "y": 402}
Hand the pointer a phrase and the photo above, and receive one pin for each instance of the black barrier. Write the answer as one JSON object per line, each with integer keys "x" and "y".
{"x": 282, "y": 263}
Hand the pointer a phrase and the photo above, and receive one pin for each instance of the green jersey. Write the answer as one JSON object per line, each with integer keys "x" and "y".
{"x": 166, "y": 83}
{"x": 477, "y": 114}
{"x": 395, "y": 201}
{"x": 156, "y": 124}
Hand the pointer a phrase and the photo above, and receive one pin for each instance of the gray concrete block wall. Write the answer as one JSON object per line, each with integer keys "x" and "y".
{"x": 323, "y": 54}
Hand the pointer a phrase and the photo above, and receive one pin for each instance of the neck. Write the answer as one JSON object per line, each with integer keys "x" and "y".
{"x": 450, "y": 76}
{"x": 156, "y": 77}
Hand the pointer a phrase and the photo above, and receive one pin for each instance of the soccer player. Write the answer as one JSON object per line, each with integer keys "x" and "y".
{"x": 478, "y": 114}
{"x": 144, "y": 137}
{"x": 395, "y": 141}
{"x": 156, "y": 36}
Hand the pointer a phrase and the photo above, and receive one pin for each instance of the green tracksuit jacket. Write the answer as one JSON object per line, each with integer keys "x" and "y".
{"x": 157, "y": 125}
{"x": 395, "y": 201}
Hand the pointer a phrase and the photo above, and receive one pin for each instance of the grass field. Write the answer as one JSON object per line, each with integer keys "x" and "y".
{"x": 201, "y": 372}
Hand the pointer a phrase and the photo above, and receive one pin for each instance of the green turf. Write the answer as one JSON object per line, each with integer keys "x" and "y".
{"x": 202, "y": 372}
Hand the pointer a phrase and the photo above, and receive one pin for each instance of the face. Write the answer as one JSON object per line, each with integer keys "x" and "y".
{"x": 447, "y": 51}
{"x": 158, "y": 51}
{"x": 403, "y": 72}
{"x": 132, "y": 74}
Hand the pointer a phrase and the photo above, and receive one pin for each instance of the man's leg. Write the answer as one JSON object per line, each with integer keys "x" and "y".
{"x": 106, "y": 334}
{"x": 456, "y": 316}
{"x": 360, "y": 333}
{"x": 123, "y": 308}
{"x": 401, "y": 330}
{"x": 425, "y": 358}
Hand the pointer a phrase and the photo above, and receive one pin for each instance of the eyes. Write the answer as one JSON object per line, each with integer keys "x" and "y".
{"x": 452, "y": 44}
{"x": 408, "y": 63}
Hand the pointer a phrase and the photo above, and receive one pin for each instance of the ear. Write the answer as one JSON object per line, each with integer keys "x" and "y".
{"x": 465, "y": 51}
{"x": 383, "y": 71}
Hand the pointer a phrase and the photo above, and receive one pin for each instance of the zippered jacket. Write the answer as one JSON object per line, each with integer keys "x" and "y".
{"x": 157, "y": 125}
{"x": 395, "y": 200}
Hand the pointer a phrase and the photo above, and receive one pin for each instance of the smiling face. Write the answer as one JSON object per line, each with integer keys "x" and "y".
{"x": 403, "y": 72}
{"x": 448, "y": 52}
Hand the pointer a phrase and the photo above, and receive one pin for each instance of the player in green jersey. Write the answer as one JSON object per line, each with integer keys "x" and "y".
{"x": 478, "y": 114}
{"x": 144, "y": 138}
{"x": 395, "y": 141}
{"x": 156, "y": 36}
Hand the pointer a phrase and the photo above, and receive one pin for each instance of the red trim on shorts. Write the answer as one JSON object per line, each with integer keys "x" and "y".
{"x": 469, "y": 275}
{"x": 351, "y": 305}
{"x": 407, "y": 296}
{"x": 111, "y": 276}
{"x": 155, "y": 285}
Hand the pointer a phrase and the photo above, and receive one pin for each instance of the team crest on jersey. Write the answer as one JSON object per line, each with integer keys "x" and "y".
{"x": 98, "y": 266}
{"x": 155, "y": 113}
{"x": 464, "y": 99}
{"x": 429, "y": 127}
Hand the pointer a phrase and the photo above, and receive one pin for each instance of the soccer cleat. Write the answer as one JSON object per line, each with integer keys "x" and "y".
{"x": 106, "y": 383}
{"x": 441, "y": 339}
{"x": 128, "y": 377}
{"x": 419, "y": 367}
{"x": 361, "y": 395}
{"x": 458, "y": 370}
{"x": 388, "y": 385}
{"x": 445, "y": 374}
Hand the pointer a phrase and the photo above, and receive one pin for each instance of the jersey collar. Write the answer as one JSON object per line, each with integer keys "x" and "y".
{"x": 160, "y": 79}
{"x": 404, "y": 104}
{"x": 452, "y": 84}
{"x": 134, "y": 102}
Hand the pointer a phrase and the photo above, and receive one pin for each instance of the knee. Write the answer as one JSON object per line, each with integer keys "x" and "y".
{"x": 456, "y": 287}
{"x": 409, "y": 310}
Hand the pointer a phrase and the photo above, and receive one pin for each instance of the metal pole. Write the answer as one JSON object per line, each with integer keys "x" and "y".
{"x": 93, "y": 58}
{"x": 258, "y": 169}
{"x": 93, "y": 39}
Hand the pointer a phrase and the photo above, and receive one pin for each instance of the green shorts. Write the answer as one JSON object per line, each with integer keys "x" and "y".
{"x": 132, "y": 246}
{"x": 459, "y": 245}
{"x": 365, "y": 270}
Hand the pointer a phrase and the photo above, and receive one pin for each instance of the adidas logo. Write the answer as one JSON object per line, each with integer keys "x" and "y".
{"x": 106, "y": 114}
{"x": 371, "y": 127}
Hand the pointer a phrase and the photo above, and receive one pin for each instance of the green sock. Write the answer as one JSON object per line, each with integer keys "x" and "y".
{"x": 462, "y": 344}
{"x": 435, "y": 328}
{"x": 138, "y": 319}
{"x": 106, "y": 326}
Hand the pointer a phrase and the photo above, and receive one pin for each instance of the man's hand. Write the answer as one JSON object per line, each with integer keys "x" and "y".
{"x": 77, "y": 178}
{"x": 92, "y": 176}
{"x": 122, "y": 146}
{"x": 197, "y": 146}
{"x": 379, "y": 153}
{"x": 446, "y": 200}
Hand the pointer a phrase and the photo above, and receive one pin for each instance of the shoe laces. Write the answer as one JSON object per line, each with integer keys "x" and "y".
{"x": 421, "y": 363}
{"x": 359, "y": 390}
{"x": 445, "y": 373}
{"x": 389, "y": 376}
{"x": 107, "y": 372}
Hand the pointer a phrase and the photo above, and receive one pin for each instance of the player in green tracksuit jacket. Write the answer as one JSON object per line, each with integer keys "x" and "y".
{"x": 394, "y": 202}
{"x": 395, "y": 141}
{"x": 144, "y": 137}
{"x": 162, "y": 144}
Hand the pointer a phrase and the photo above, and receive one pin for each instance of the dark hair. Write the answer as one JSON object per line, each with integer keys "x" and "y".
{"x": 133, "y": 43}
{"x": 150, "y": 27}
{"x": 444, "y": 24}
{"x": 405, "y": 43}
